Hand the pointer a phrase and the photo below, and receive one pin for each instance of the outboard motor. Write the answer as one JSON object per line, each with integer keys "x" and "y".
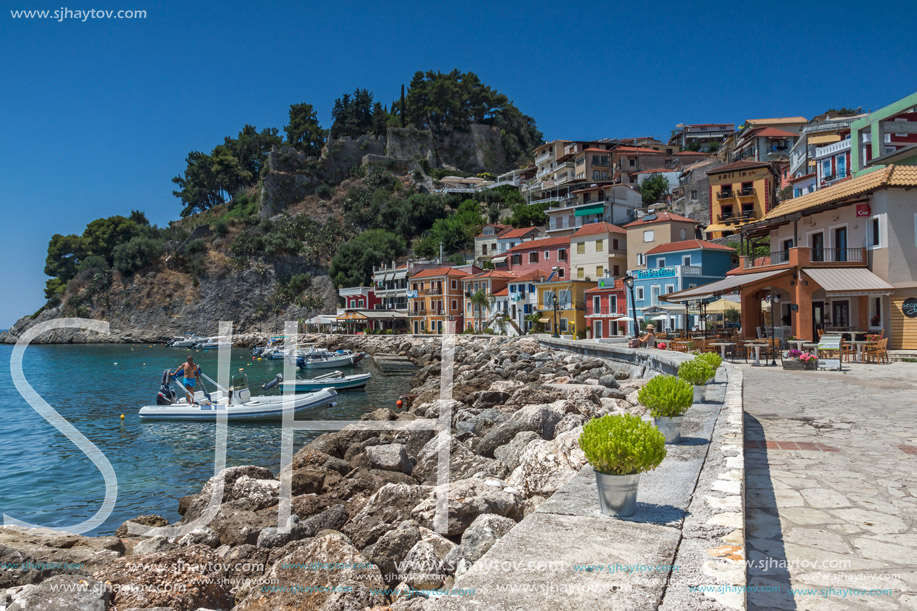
{"x": 165, "y": 396}
{"x": 269, "y": 385}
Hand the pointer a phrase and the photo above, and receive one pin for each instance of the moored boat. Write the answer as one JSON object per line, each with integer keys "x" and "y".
{"x": 336, "y": 380}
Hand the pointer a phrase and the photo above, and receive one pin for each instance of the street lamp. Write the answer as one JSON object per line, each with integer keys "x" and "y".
{"x": 556, "y": 305}
{"x": 629, "y": 283}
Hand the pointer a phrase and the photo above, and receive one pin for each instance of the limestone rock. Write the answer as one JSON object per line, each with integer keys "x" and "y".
{"x": 392, "y": 504}
{"x": 463, "y": 463}
{"x": 62, "y": 593}
{"x": 509, "y": 453}
{"x": 389, "y": 457}
{"x": 482, "y": 534}
{"x": 422, "y": 569}
{"x": 467, "y": 499}
{"x": 545, "y": 466}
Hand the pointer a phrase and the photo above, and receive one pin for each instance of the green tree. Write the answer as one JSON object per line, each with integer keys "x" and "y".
{"x": 136, "y": 253}
{"x": 654, "y": 188}
{"x": 352, "y": 114}
{"x": 303, "y": 131}
{"x": 251, "y": 147}
{"x": 381, "y": 118}
{"x": 228, "y": 174}
{"x": 65, "y": 253}
{"x": 101, "y": 236}
{"x": 198, "y": 187}
{"x": 455, "y": 232}
{"x": 525, "y": 215}
{"x": 353, "y": 263}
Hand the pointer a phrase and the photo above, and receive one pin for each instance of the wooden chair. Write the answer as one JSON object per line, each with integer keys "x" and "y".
{"x": 877, "y": 353}
{"x": 848, "y": 351}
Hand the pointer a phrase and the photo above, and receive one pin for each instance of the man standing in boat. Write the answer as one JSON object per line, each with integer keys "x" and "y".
{"x": 191, "y": 373}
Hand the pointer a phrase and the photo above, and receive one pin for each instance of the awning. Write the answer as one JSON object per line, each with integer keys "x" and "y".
{"x": 400, "y": 275}
{"x": 387, "y": 277}
{"x": 825, "y": 139}
{"x": 544, "y": 319}
{"x": 848, "y": 281}
{"x": 351, "y": 316}
{"x": 587, "y": 210}
{"x": 496, "y": 260}
{"x": 727, "y": 285}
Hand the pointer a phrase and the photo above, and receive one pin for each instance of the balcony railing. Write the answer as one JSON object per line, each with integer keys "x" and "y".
{"x": 803, "y": 256}
{"x": 832, "y": 149}
{"x": 747, "y": 192}
{"x": 725, "y": 195}
{"x": 432, "y": 292}
{"x": 604, "y": 310}
{"x": 737, "y": 217}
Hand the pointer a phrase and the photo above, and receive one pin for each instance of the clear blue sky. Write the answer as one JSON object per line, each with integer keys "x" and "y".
{"x": 98, "y": 116}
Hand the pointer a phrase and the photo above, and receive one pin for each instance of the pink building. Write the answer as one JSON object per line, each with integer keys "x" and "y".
{"x": 540, "y": 255}
{"x": 359, "y": 298}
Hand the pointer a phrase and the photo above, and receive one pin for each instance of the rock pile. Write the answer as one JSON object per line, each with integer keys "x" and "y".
{"x": 364, "y": 529}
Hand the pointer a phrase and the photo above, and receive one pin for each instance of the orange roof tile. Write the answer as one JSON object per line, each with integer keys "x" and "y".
{"x": 516, "y": 233}
{"x": 740, "y": 165}
{"x": 542, "y": 243}
{"x": 890, "y": 176}
{"x": 688, "y": 245}
{"x": 437, "y": 272}
{"x": 635, "y": 149}
{"x": 618, "y": 286}
{"x": 595, "y": 228}
{"x": 501, "y": 292}
{"x": 492, "y": 273}
{"x": 771, "y": 132}
{"x": 661, "y": 217}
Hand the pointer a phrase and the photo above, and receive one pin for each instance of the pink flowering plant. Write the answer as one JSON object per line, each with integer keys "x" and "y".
{"x": 805, "y": 357}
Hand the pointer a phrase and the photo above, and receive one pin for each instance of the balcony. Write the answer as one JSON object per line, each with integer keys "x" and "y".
{"x": 832, "y": 149}
{"x": 543, "y": 158}
{"x": 725, "y": 195}
{"x": 808, "y": 257}
{"x": 432, "y": 292}
{"x": 747, "y": 192}
{"x": 740, "y": 217}
{"x": 604, "y": 310}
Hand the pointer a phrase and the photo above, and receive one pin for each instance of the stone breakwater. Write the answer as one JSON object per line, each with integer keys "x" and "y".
{"x": 363, "y": 501}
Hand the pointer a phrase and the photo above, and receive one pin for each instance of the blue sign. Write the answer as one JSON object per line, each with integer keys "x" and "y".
{"x": 662, "y": 272}
{"x": 411, "y": 294}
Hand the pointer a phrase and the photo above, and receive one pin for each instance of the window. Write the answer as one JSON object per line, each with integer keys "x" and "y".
{"x": 533, "y": 257}
{"x": 632, "y": 162}
{"x": 599, "y": 271}
{"x": 560, "y": 272}
{"x": 612, "y": 304}
{"x": 580, "y": 248}
{"x": 547, "y": 255}
{"x": 826, "y": 169}
{"x": 454, "y": 284}
{"x": 483, "y": 249}
{"x": 580, "y": 273}
{"x": 617, "y": 271}
{"x": 686, "y": 260}
{"x": 599, "y": 245}
{"x": 596, "y": 304}
{"x": 875, "y": 319}
{"x": 875, "y": 233}
{"x": 362, "y": 303}
{"x": 683, "y": 233}
{"x": 648, "y": 235}
{"x": 563, "y": 325}
{"x": 638, "y": 293}
{"x": 454, "y": 304}
{"x": 841, "y": 166}
{"x": 614, "y": 245}
{"x": 641, "y": 258}
{"x": 669, "y": 288}
{"x": 654, "y": 294}
{"x": 516, "y": 260}
{"x": 562, "y": 254}
{"x": 693, "y": 193}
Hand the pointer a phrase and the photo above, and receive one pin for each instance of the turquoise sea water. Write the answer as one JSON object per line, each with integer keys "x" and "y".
{"x": 46, "y": 480}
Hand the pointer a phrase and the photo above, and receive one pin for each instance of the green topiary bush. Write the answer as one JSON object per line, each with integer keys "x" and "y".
{"x": 622, "y": 444}
{"x": 711, "y": 358}
{"x": 666, "y": 396}
{"x": 696, "y": 372}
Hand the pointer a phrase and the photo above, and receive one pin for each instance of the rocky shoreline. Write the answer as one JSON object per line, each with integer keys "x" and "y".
{"x": 361, "y": 530}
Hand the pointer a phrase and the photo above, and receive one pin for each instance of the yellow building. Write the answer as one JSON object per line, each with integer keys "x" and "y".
{"x": 436, "y": 297}
{"x": 598, "y": 250}
{"x": 571, "y": 304}
{"x": 740, "y": 193}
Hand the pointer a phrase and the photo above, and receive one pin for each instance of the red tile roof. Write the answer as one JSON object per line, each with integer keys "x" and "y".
{"x": 693, "y": 153}
{"x": 436, "y": 272}
{"x": 535, "y": 274}
{"x": 498, "y": 226}
{"x": 618, "y": 286}
{"x": 596, "y": 228}
{"x": 542, "y": 243}
{"x": 740, "y": 165}
{"x": 516, "y": 233}
{"x": 772, "y": 132}
{"x": 493, "y": 273}
{"x": 661, "y": 217}
{"x": 657, "y": 170}
{"x": 595, "y": 150}
{"x": 501, "y": 292}
{"x": 688, "y": 245}
{"x": 636, "y": 149}
{"x": 803, "y": 177}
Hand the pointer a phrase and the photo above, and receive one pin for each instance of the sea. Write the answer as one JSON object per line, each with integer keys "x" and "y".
{"x": 46, "y": 480}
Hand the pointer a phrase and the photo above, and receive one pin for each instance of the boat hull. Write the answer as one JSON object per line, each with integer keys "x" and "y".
{"x": 348, "y": 382}
{"x": 259, "y": 408}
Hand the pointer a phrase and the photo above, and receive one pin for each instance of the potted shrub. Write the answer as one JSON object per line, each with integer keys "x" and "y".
{"x": 620, "y": 448}
{"x": 696, "y": 372}
{"x": 714, "y": 360}
{"x": 667, "y": 398}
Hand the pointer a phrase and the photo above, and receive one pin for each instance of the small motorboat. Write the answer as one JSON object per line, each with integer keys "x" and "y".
{"x": 324, "y": 359}
{"x": 186, "y": 341}
{"x": 214, "y": 342}
{"x": 336, "y": 380}
{"x": 236, "y": 402}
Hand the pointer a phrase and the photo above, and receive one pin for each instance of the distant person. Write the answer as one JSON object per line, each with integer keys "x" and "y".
{"x": 191, "y": 373}
{"x": 649, "y": 339}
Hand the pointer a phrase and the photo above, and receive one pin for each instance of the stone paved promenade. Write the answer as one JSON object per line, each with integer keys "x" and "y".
{"x": 831, "y": 481}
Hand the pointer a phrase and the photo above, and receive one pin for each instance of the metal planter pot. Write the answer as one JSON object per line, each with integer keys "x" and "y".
{"x": 617, "y": 494}
{"x": 700, "y": 393}
{"x": 670, "y": 427}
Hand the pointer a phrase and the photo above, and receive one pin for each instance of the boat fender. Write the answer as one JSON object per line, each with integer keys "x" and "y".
{"x": 269, "y": 385}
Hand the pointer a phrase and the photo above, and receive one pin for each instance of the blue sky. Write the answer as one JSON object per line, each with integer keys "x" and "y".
{"x": 99, "y": 116}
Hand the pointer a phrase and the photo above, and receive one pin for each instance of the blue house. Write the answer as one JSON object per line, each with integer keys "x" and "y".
{"x": 673, "y": 267}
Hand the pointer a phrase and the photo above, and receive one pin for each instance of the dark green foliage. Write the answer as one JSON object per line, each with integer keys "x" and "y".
{"x": 529, "y": 215}
{"x": 454, "y": 100}
{"x": 101, "y": 236}
{"x": 195, "y": 247}
{"x": 456, "y": 232}
{"x": 324, "y": 192}
{"x": 251, "y": 147}
{"x": 139, "y": 217}
{"x": 653, "y": 188}
{"x": 303, "y": 131}
{"x": 136, "y": 253}
{"x": 352, "y": 264}
{"x": 622, "y": 445}
{"x": 93, "y": 264}
{"x": 354, "y": 115}
{"x": 65, "y": 252}
{"x": 220, "y": 227}
{"x": 54, "y": 288}
{"x": 291, "y": 291}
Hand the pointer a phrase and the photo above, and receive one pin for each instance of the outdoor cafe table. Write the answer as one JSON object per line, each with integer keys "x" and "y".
{"x": 859, "y": 344}
{"x": 812, "y": 346}
{"x": 757, "y": 345}
{"x": 722, "y": 346}
{"x": 798, "y": 343}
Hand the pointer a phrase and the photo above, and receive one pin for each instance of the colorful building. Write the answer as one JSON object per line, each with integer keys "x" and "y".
{"x": 705, "y": 137}
{"x": 765, "y": 139}
{"x": 571, "y": 301}
{"x": 523, "y": 298}
{"x": 492, "y": 285}
{"x": 740, "y": 193}
{"x": 654, "y": 229}
{"x": 611, "y": 203}
{"x": 605, "y": 304}
{"x": 674, "y": 267}
{"x": 841, "y": 258}
{"x": 598, "y": 250}
{"x": 435, "y": 297}
{"x": 886, "y": 136}
{"x": 545, "y": 255}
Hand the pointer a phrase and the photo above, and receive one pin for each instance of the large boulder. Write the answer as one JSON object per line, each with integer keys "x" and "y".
{"x": 466, "y": 500}
{"x": 389, "y": 457}
{"x": 509, "y": 453}
{"x": 463, "y": 463}
{"x": 421, "y": 568}
{"x": 391, "y": 548}
{"x": 545, "y": 466}
{"x": 482, "y": 534}
{"x": 61, "y": 593}
{"x": 225, "y": 480}
{"x": 390, "y": 505}
{"x": 147, "y": 520}
{"x": 540, "y": 419}
{"x": 354, "y": 585}
{"x": 67, "y": 553}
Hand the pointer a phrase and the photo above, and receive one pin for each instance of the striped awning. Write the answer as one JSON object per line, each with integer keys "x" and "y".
{"x": 848, "y": 281}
